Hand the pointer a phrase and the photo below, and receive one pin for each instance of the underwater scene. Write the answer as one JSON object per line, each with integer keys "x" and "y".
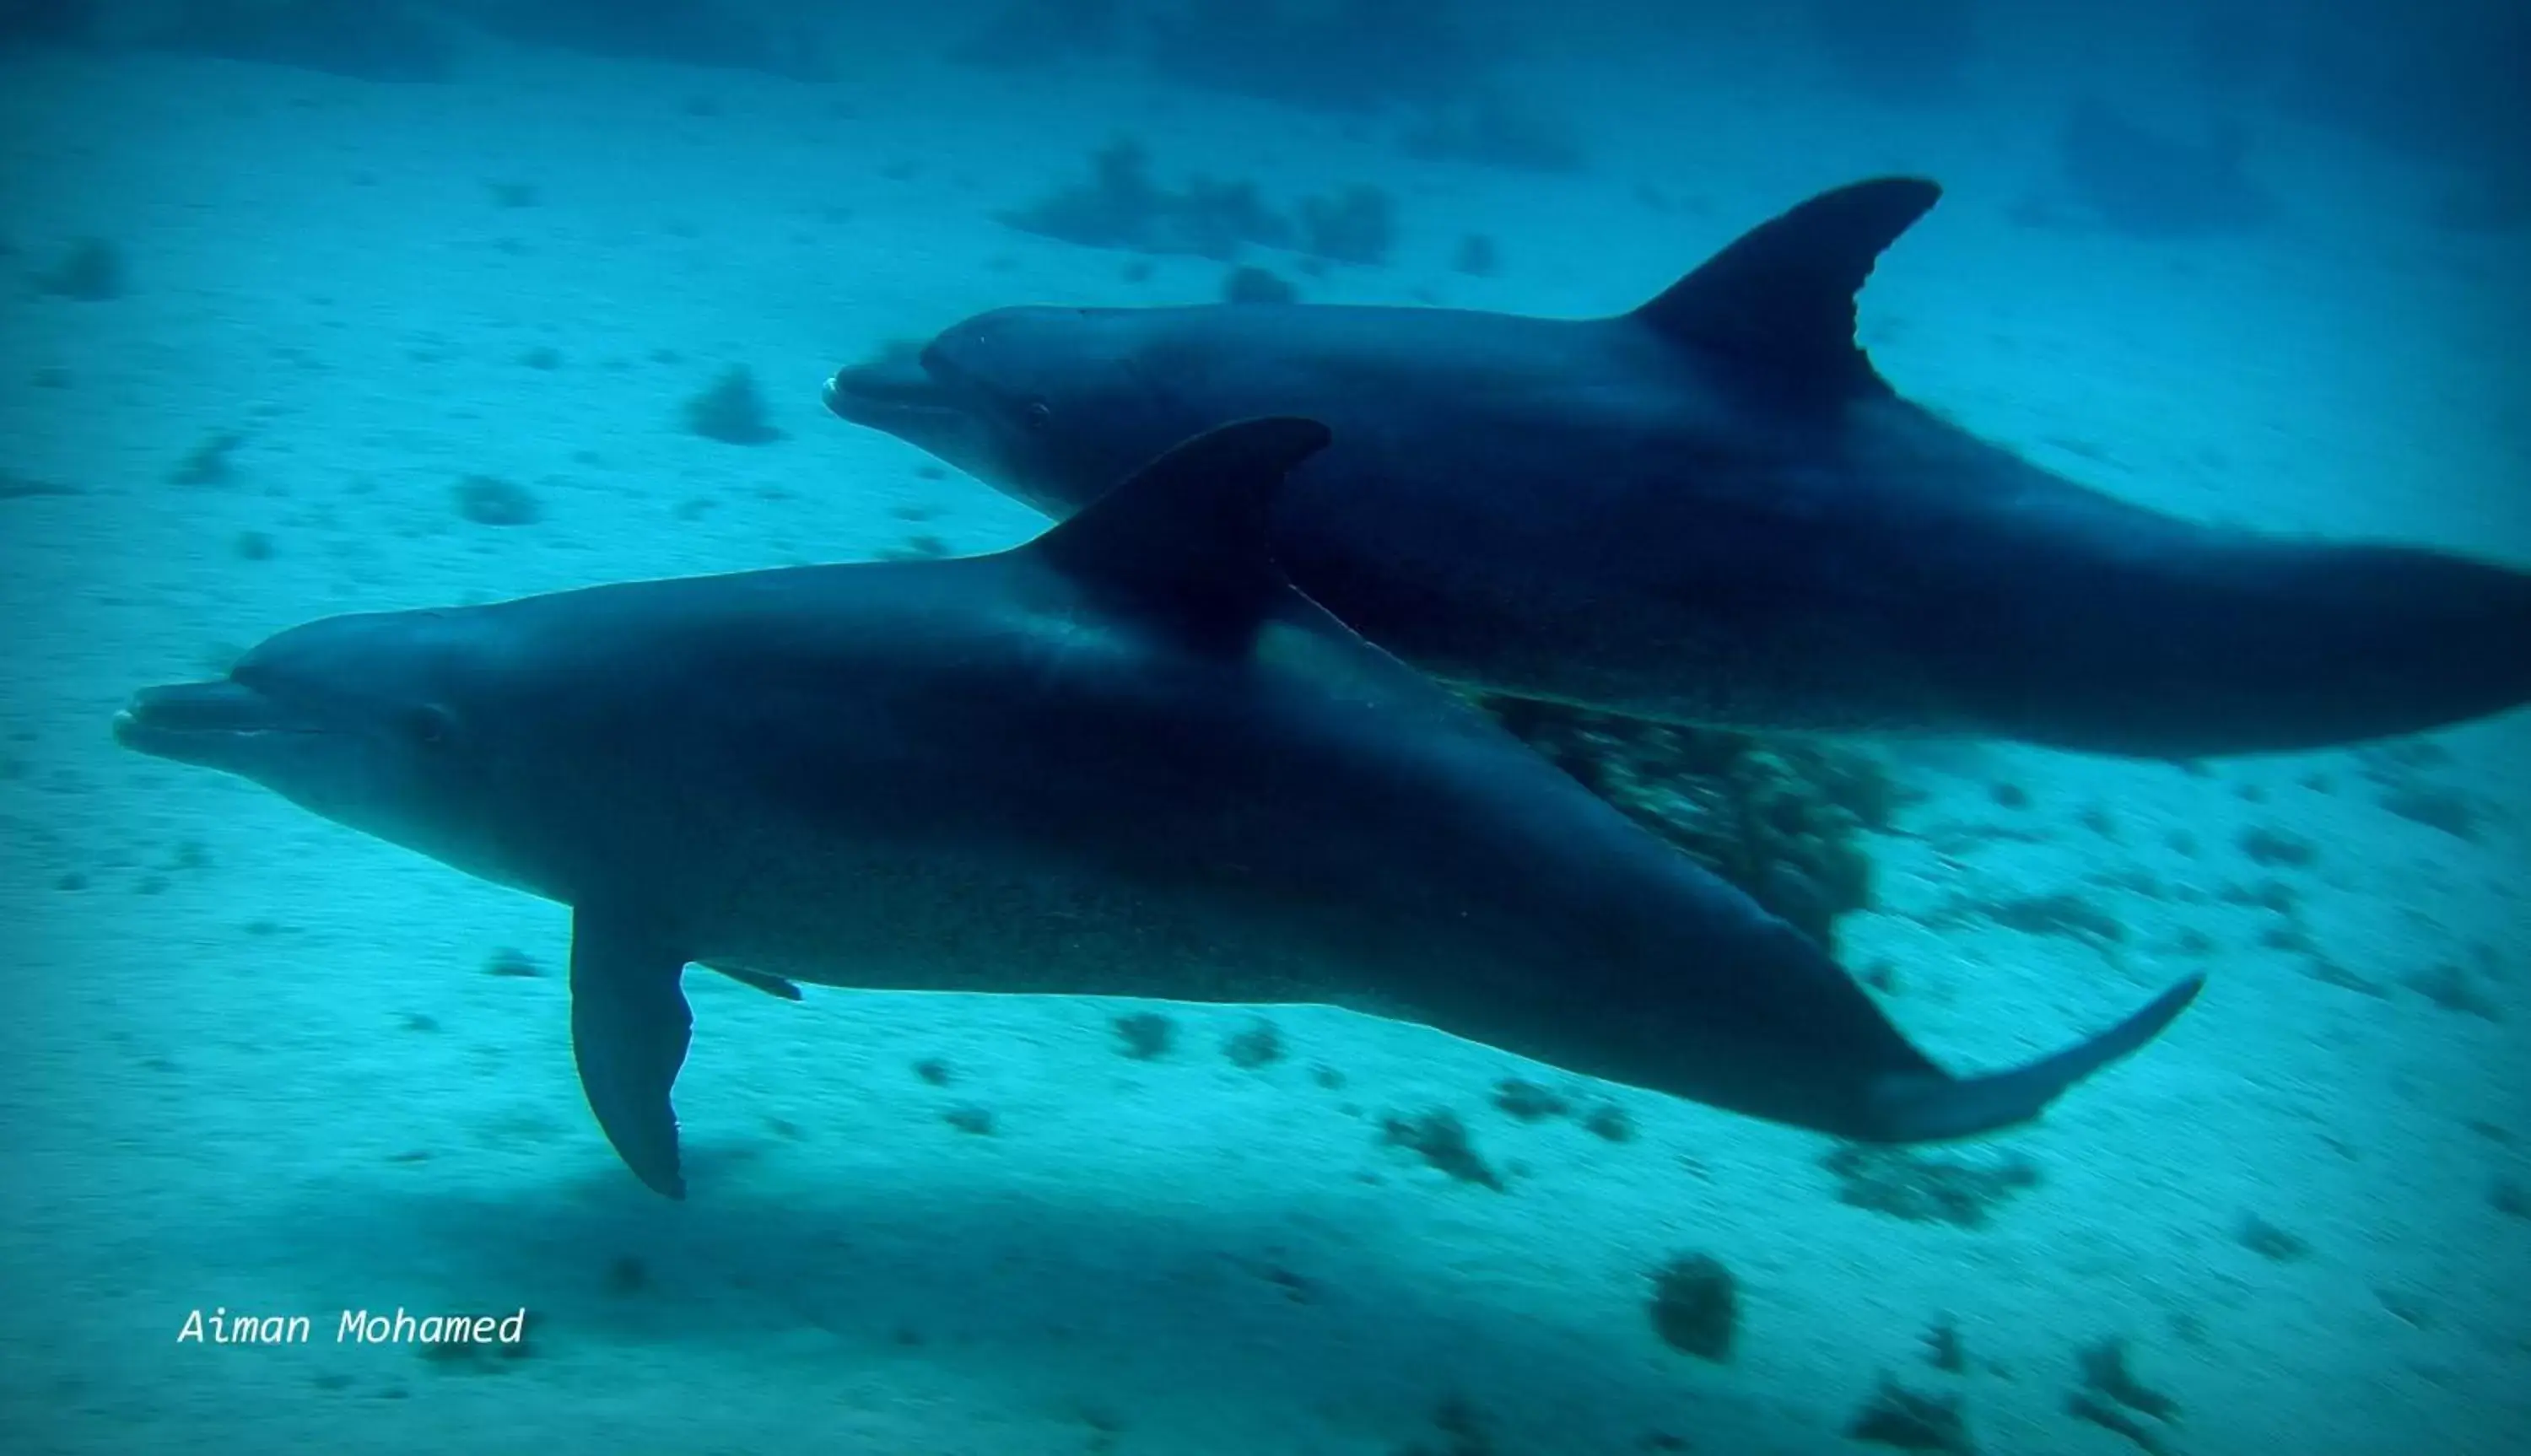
{"x": 1265, "y": 727}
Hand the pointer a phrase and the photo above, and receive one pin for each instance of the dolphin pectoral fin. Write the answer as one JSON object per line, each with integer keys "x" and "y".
{"x": 772, "y": 985}
{"x": 1920, "y": 1107}
{"x": 629, "y": 1030}
{"x": 1783, "y": 292}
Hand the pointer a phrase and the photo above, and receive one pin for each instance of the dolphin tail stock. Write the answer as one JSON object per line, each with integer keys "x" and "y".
{"x": 1934, "y": 1108}
{"x": 2354, "y": 642}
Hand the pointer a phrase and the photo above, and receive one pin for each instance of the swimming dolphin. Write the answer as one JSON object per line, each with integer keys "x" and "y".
{"x": 1126, "y": 758}
{"x": 1714, "y": 510}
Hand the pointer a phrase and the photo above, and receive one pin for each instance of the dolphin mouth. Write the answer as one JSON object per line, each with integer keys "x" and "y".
{"x": 890, "y": 389}
{"x": 206, "y": 723}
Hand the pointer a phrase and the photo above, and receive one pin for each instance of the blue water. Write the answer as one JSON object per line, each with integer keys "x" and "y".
{"x": 253, "y": 1063}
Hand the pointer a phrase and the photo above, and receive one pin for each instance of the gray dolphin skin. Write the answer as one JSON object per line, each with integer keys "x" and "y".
{"x": 1714, "y": 510}
{"x": 1127, "y": 758}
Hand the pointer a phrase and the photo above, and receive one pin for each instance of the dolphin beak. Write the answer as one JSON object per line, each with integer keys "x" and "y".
{"x": 888, "y": 391}
{"x": 211, "y": 724}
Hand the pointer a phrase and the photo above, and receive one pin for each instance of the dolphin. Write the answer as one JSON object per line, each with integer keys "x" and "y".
{"x": 1127, "y": 758}
{"x": 1714, "y": 510}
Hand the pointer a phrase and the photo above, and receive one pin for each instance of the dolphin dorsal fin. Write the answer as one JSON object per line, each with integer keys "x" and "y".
{"x": 1783, "y": 292}
{"x": 1188, "y": 536}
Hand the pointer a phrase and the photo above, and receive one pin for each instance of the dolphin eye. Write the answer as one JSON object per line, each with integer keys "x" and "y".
{"x": 1038, "y": 413}
{"x": 431, "y": 725}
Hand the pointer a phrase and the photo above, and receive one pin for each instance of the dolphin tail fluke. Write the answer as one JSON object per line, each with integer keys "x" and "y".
{"x": 1918, "y": 1107}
